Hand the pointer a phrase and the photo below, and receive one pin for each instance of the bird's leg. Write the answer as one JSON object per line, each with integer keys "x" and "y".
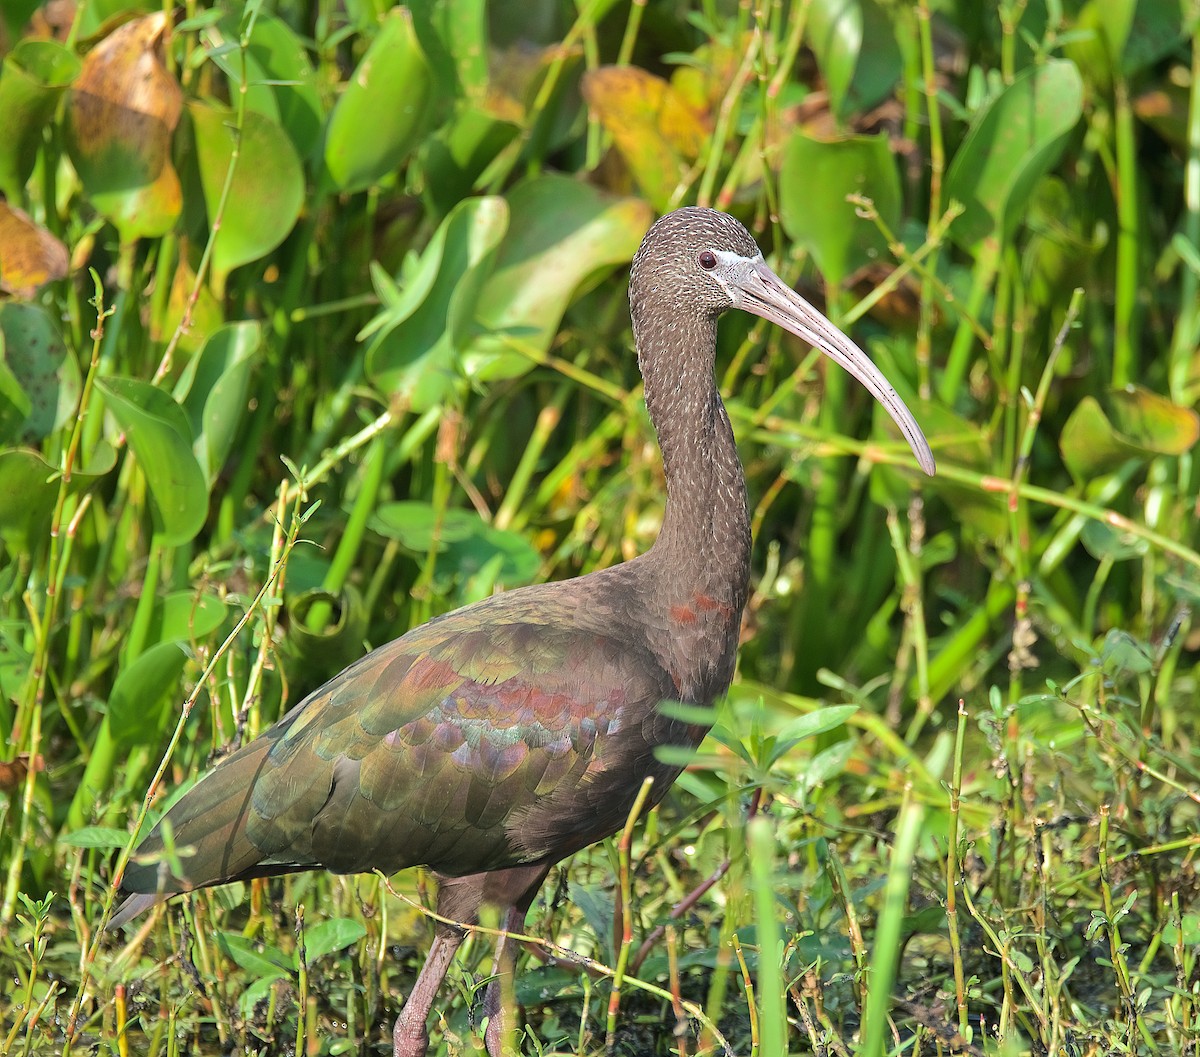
{"x": 498, "y": 999}
{"x": 410, "y": 1036}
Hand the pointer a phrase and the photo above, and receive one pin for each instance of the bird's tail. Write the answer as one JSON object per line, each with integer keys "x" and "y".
{"x": 208, "y": 828}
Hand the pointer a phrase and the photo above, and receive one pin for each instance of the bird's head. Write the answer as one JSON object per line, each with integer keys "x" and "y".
{"x": 696, "y": 263}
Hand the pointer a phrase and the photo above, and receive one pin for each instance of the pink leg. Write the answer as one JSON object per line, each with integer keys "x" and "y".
{"x": 498, "y": 1000}
{"x": 410, "y": 1036}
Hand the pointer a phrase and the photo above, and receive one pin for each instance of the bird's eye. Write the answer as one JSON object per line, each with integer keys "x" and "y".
{"x": 707, "y": 260}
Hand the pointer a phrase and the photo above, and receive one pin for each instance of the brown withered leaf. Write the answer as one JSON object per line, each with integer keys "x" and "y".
{"x": 121, "y": 116}
{"x": 13, "y": 772}
{"x": 654, "y": 129}
{"x": 29, "y": 255}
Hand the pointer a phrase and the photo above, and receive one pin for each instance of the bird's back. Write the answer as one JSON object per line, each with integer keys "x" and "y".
{"x": 513, "y": 731}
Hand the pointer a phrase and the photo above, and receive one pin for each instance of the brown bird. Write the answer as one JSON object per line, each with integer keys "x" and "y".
{"x": 494, "y": 741}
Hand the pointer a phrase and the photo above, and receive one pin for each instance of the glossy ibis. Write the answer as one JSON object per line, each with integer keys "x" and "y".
{"x": 495, "y": 740}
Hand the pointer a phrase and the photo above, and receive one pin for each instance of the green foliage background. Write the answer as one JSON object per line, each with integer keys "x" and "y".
{"x": 313, "y": 326}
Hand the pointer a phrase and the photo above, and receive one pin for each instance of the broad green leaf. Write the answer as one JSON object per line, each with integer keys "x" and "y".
{"x": 419, "y": 527}
{"x": 268, "y": 184}
{"x": 816, "y": 177}
{"x": 95, "y": 837}
{"x": 819, "y": 722}
{"x": 270, "y": 963}
{"x": 34, "y": 76}
{"x": 453, "y": 36}
{"x": 213, "y": 391}
{"x": 326, "y": 937}
{"x": 158, "y": 433}
{"x": 1146, "y": 424}
{"x": 121, "y": 117}
{"x": 453, "y": 159}
{"x": 828, "y": 763}
{"x": 184, "y": 616}
{"x": 1122, "y": 654}
{"x": 416, "y": 351}
{"x": 465, "y": 541}
{"x": 142, "y": 696}
{"x": 46, "y": 375}
{"x": 383, "y": 111}
{"x": 836, "y": 34}
{"x": 855, "y": 45}
{"x": 1106, "y": 542}
{"x": 28, "y": 490}
{"x": 657, "y": 133}
{"x": 561, "y": 234}
{"x": 502, "y": 555}
{"x": 1013, "y": 142}
{"x": 258, "y": 992}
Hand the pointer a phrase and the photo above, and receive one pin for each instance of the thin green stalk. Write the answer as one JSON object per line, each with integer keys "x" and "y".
{"x": 302, "y": 984}
{"x": 773, "y": 1017}
{"x": 1187, "y": 325}
{"x": 908, "y": 576}
{"x": 1125, "y": 339}
{"x": 886, "y": 955}
{"x": 726, "y": 115}
{"x": 625, "y": 911}
{"x": 352, "y": 535}
{"x": 513, "y": 508}
{"x": 959, "y": 358}
{"x": 751, "y": 1003}
{"x": 954, "y": 875}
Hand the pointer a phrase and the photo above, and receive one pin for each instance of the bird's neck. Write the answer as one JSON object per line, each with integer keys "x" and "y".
{"x": 702, "y": 554}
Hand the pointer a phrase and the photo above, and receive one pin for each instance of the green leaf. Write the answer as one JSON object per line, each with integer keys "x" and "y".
{"x": 452, "y": 159}
{"x": 95, "y": 837}
{"x": 28, "y": 490}
{"x": 1013, "y": 142}
{"x": 382, "y": 114}
{"x": 184, "y": 616}
{"x": 465, "y": 540}
{"x": 819, "y": 722}
{"x": 41, "y": 384}
{"x": 1105, "y": 541}
{"x": 856, "y": 50}
{"x": 415, "y": 353}
{"x": 561, "y": 234}
{"x": 268, "y": 964}
{"x": 268, "y": 184}
{"x": 828, "y": 763}
{"x": 1122, "y": 654}
{"x": 329, "y": 936}
{"x": 454, "y": 38}
{"x": 139, "y": 705}
{"x": 158, "y": 433}
{"x": 213, "y": 390}
{"x": 418, "y": 526}
{"x": 816, "y": 178}
{"x": 836, "y": 34}
{"x": 34, "y": 76}
{"x": 1146, "y": 425}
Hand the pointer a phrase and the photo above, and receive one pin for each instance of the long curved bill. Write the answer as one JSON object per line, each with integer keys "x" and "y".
{"x": 761, "y": 291}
